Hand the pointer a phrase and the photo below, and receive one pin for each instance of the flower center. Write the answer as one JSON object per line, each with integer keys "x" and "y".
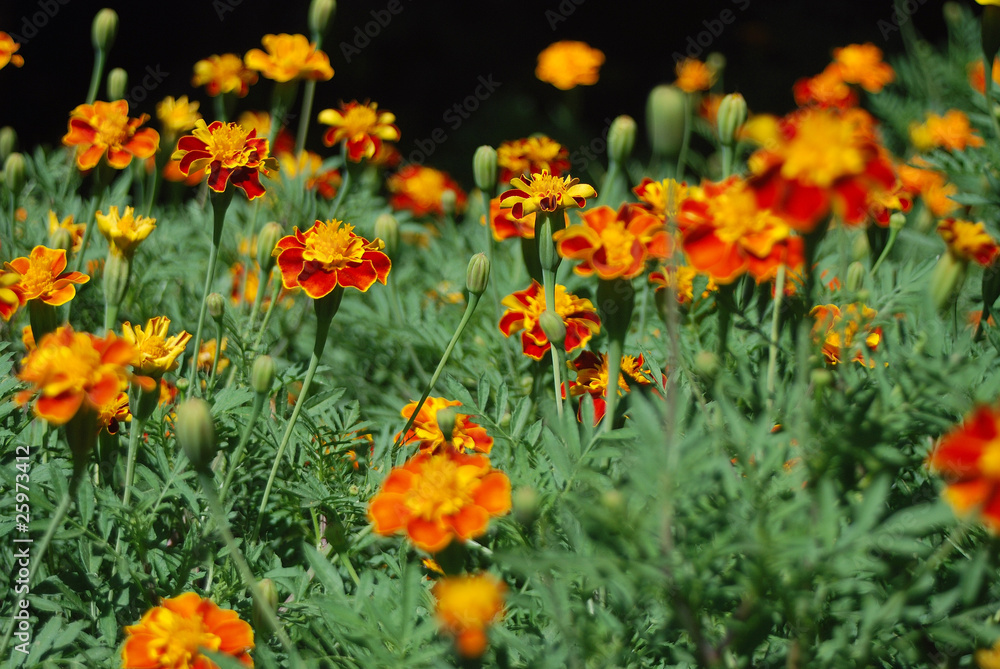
{"x": 426, "y": 188}
{"x": 334, "y": 245}
{"x": 179, "y": 639}
{"x": 359, "y": 121}
{"x": 825, "y": 148}
{"x": 549, "y": 189}
{"x": 736, "y": 214}
{"x": 444, "y": 488}
{"x": 228, "y": 144}
{"x": 112, "y": 130}
{"x": 153, "y": 347}
{"x": 618, "y": 243}
{"x": 38, "y": 280}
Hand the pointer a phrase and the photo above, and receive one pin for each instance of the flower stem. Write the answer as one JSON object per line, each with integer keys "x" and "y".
{"x": 615, "y": 350}
{"x": 100, "y": 58}
{"x": 346, "y": 183}
{"x": 616, "y": 302}
{"x": 258, "y": 406}
{"x": 772, "y": 349}
{"x": 275, "y": 292}
{"x": 220, "y": 204}
{"x": 307, "y": 103}
{"x": 685, "y": 139}
{"x": 215, "y": 358}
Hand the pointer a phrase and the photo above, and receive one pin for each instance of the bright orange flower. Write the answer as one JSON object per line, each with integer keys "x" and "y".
{"x": 361, "y": 126}
{"x": 862, "y": 64}
{"x": 504, "y": 225}
{"x": 68, "y": 370}
{"x": 328, "y": 255}
{"x": 173, "y": 635}
{"x": 11, "y": 297}
{"x": 224, "y": 74}
{"x": 951, "y": 132}
{"x": 662, "y": 198}
{"x": 75, "y": 230}
{"x": 614, "y": 245}
{"x": 467, "y": 436}
{"x": 524, "y": 157}
{"x": 8, "y": 51}
{"x": 681, "y": 279}
{"x": 113, "y": 413}
{"x": 708, "y": 108}
{"x": 931, "y": 185}
{"x": 968, "y": 457}
{"x": 105, "y": 129}
{"x": 977, "y": 74}
{"x": 525, "y": 307}
{"x": 419, "y": 189}
{"x": 158, "y": 353}
{"x": 466, "y": 606}
{"x": 569, "y": 64}
{"x": 592, "y": 379}
{"x": 178, "y": 115}
{"x": 289, "y": 57}
{"x": 969, "y": 241}
{"x": 838, "y": 329}
{"x": 324, "y": 182}
{"x": 229, "y": 153}
{"x": 693, "y": 75}
{"x": 43, "y": 276}
{"x": 172, "y": 172}
{"x": 544, "y": 192}
{"x": 435, "y": 498}
{"x": 826, "y": 89}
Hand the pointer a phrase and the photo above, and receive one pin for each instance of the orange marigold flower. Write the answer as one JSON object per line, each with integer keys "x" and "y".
{"x": 504, "y": 225}
{"x": 328, "y": 255}
{"x": 977, "y": 74}
{"x": 592, "y": 379}
{"x": 75, "y": 230}
{"x": 862, "y": 64}
{"x": 173, "y": 635}
{"x": 158, "y": 353}
{"x": 950, "y": 132}
{"x": 229, "y": 152}
{"x": 43, "y": 276}
{"x": 467, "y": 436}
{"x": 289, "y": 57}
{"x": 662, "y": 198}
{"x": 111, "y": 414}
{"x": 614, "y": 244}
{"x": 68, "y": 370}
{"x": 11, "y": 297}
{"x": 967, "y": 240}
{"x": 172, "y": 172}
{"x": 419, "y": 190}
{"x": 8, "y": 51}
{"x": 544, "y": 192}
{"x": 525, "y": 307}
{"x": 437, "y": 497}
{"x": 324, "y": 182}
{"x": 681, "y": 279}
{"x": 206, "y": 354}
{"x": 826, "y": 89}
{"x": 524, "y": 157}
{"x": 569, "y": 64}
{"x": 178, "y": 115}
{"x": 466, "y": 606}
{"x": 838, "y": 329}
{"x": 708, "y": 108}
{"x": 224, "y": 74}
{"x": 693, "y": 75}
{"x": 361, "y": 126}
{"x": 105, "y": 129}
{"x": 968, "y": 457}
{"x": 931, "y": 185}
{"x": 124, "y": 232}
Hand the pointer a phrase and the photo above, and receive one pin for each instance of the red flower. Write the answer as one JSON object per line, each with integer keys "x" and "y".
{"x": 328, "y": 255}
{"x": 525, "y": 307}
{"x": 105, "y": 129}
{"x": 969, "y": 459}
{"x": 229, "y": 152}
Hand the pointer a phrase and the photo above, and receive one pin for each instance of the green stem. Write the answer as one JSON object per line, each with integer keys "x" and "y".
{"x": 724, "y": 305}
{"x": 685, "y": 139}
{"x": 772, "y": 349}
{"x": 307, "y": 103}
{"x": 133, "y": 450}
{"x": 220, "y": 204}
{"x": 263, "y": 278}
{"x": 346, "y": 184}
{"x": 267, "y": 315}
{"x": 110, "y": 316}
{"x": 893, "y": 233}
{"x": 615, "y": 350}
{"x": 215, "y": 358}
{"x": 100, "y": 187}
{"x": 258, "y": 406}
{"x": 494, "y": 289}
{"x": 615, "y": 302}
{"x": 100, "y": 58}
{"x": 557, "y": 377}
{"x": 727, "y": 160}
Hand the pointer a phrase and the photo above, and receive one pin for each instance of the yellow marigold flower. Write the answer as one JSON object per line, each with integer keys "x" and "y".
{"x": 206, "y": 354}
{"x": 105, "y": 129}
{"x": 43, "y": 276}
{"x": 525, "y": 308}
{"x": 524, "y": 157}
{"x": 986, "y": 658}
{"x": 75, "y": 230}
{"x": 224, "y": 74}
{"x": 681, "y": 279}
{"x": 931, "y": 185}
{"x": 419, "y": 189}
{"x": 569, "y": 64}
{"x": 173, "y": 635}
{"x": 361, "y": 126}
{"x": 158, "y": 353}
{"x": 693, "y": 75}
{"x": 466, "y": 437}
{"x": 124, "y": 232}
{"x": 838, "y": 329}
{"x": 289, "y": 57}
{"x": 178, "y": 115}
{"x": 466, "y": 606}
{"x": 544, "y": 192}
{"x": 8, "y": 51}
{"x": 951, "y": 132}
{"x": 969, "y": 241}
{"x": 663, "y": 198}
{"x": 862, "y": 64}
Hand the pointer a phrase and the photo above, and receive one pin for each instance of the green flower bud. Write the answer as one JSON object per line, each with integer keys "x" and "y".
{"x": 524, "y": 503}
{"x": 104, "y": 29}
{"x": 268, "y": 602}
{"x": 665, "y": 120}
{"x": 262, "y": 374}
{"x": 117, "y": 273}
{"x": 553, "y": 327}
{"x": 716, "y": 62}
{"x": 856, "y": 275}
{"x": 860, "y": 248}
{"x": 196, "y": 432}
{"x": 446, "y": 421}
{"x": 897, "y": 220}
{"x": 621, "y": 139}
{"x": 821, "y": 378}
{"x": 477, "y": 276}
{"x": 484, "y": 169}
{"x": 449, "y": 198}
{"x": 732, "y": 114}
{"x": 61, "y": 238}
{"x": 268, "y": 238}
{"x": 387, "y": 229}
{"x": 706, "y": 364}
{"x": 321, "y": 14}
{"x": 117, "y": 83}
{"x": 946, "y": 280}
{"x": 952, "y": 12}
{"x": 216, "y": 304}
{"x": 613, "y": 500}
{"x": 8, "y": 141}
{"x": 13, "y": 172}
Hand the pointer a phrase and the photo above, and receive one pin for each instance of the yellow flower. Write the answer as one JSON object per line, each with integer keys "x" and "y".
{"x": 178, "y": 115}
{"x": 157, "y": 352}
{"x": 8, "y": 51}
{"x": 862, "y": 64}
{"x": 569, "y": 64}
{"x": 694, "y": 75}
{"x": 950, "y": 132}
{"x": 544, "y": 192}
{"x": 125, "y": 232}
{"x": 967, "y": 241}
{"x": 289, "y": 57}
{"x": 224, "y": 74}
{"x": 75, "y": 230}
{"x": 466, "y": 606}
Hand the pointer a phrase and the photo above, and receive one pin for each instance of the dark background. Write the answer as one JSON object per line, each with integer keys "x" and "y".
{"x": 430, "y": 56}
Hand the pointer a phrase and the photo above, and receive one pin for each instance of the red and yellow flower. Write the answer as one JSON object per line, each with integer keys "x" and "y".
{"x": 693, "y": 75}
{"x": 592, "y": 379}
{"x": 158, "y": 352}
{"x": 8, "y": 51}
{"x": 838, "y": 330}
{"x": 504, "y": 225}
{"x": 544, "y": 192}
{"x": 11, "y": 297}
{"x": 111, "y": 415}
{"x": 466, "y": 606}
{"x": 226, "y": 73}
{"x": 328, "y": 255}
{"x": 931, "y": 185}
{"x": 174, "y": 635}
{"x": 228, "y": 152}
{"x": 206, "y": 355}
{"x": 419, "y": 190}
{"x": 968, "y": 240}
{"x": 289, "y": 57}
{"x": 105, "y": 129}
{"x": 524, "y": 157}
{"x": 862, "y": 64}
{"x": 43, "y": 276}
{"x": 951, "y": 132}
{"x": 681, "y": 279}
{"x": 977, "y": 74}
{"x": 826, "y": 89}
{"x": 361, "y": 126}
{"x": 568, "y": 64}
{"x": 124, "y": 232}
{"x": 436, "y": 498}
{"x": 662, "y": 198}
{"x": 467, "y": 436}
{"x": 614, "y": 244}
{"x": 525, "y": 307}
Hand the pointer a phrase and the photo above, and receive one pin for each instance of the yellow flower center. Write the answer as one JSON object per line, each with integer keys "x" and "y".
{"x": 334, "y": 245}
{"x": 617, "y": 242}
{"x": 736, "y": 215}
{"x": 426, "y": 187}
{"x": 111, "y": 130}
{"x": 989, "y": 461}
{"x": 38, "y": 280}
{"x": 825, "y": 148}
{"x": 228, "y": 144}
{"x": 359, "y": 120}
{"x": 444, "y": 488}
{"x": 179, "y": 639}
{"x": 62, "y": 368}
{"x": 153, "y": 347}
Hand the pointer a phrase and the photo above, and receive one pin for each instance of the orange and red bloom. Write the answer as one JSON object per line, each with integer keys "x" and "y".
{"x": 361, "y": 126}
{"x": 328, "y": 255}
{"x": 466, "y": 606}
{"x": 466, "y": 437}
{"x": 11, "y": 299}
{"x": 173, "y": 635}
{"x": 289, "y": 57}
{"x": 694, "y": 75}
{"x": 967, "y": 241}
{"x": 419, "y": 190}
{"x": 614, "y": 244}
{"x": 43, "y": 276}
{"x": 544, "y": 192}
{"x": 504, "y": 225}
{"x": 105, "y": 129}
{"x": 229, "y": 152}
{"x": 951, "y": 132}
{"x": 224, "y": 74}
{"x": 592, "y": 379}
{"x": 862, "y": 64}
{"x": 525, "y": 307}
{"x": 8, "y": 51}
{"x": 524, "y": 157}
{"x": 569, "y": 64}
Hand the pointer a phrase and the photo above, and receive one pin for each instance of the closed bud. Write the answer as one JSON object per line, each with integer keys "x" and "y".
{"x": 484, "y": 169}
{"x": 621, "y": 139}
{"x": 897, "y": 220}
{"x": 117, "y": 83}
{"x": 104, "y": 29}
{"x": 446, "y": 421}
{"x": 952, "y": 12}
{"x": 860, "y": 248}
{"x": 262, "y": 374}
{"x": 732, "y": 114}
{"x": 449, "y": 199}
{"x": 267, "y": 240}
{"x": 665, "y": 120}
{"x": 321, "y": 14}
{"x": 706, "y": 363}
{"x": 117, "y": 273}
{"x": 613, "y": 500}
{"x": 856, "y": 274}
{"x": 524, "y": 503}
{"x": 553, "y": 327}
{"x": 13, "y": 172}
{"x": 216, "y": 304}
{"x": 8, "y": 141}
{"x": 477, "y": 276}
{"x": 387, "y": 229}
{"x": 716, "y": 62}
{"x": 946, "y": 280}
{"x": 196, "y": 432}
{"x": 821, "y": 378}
{"x": 268, "y": 602}
{"x": 61, "y": 238}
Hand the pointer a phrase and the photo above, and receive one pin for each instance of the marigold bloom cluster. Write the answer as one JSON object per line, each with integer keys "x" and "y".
{"x": 951, "y": 132}
{"x": 124, "y": 232}
{"x": 229, "y": 152}
{"x": 75, "y": 230}
{"x": 466, "y": 605}
{"x": 931, "y": 185}
{"x": 544, "y": 192}
{"x": 681, "y": 280}
{"x": 569, "y": 64}
{"x": 466, "y": 437}
{"x": 157, "y": 352}
{"x": 226, "y": 73}
{"x": 694, "y": 75}
{"x": 969, "y": 240}
{"x": 361, "y": 126}
{"x": 419, "y": 190}
{"x": 525, "y": 307}
{"x": 614, "y": 244}
{"x": 8, "y": 51}
{"x": 838, "y": 329}
{"x": 662, "y": 198}
{"x": 592, "y": 379}
{"x": 524, "y": 157}
{"x": 289, "y": 57}
{"x": 105, "y": 129}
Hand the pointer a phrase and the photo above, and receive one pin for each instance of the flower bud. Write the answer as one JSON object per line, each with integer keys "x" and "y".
{"x": 860, "y": 248}
{"x": 856, "y": 274}
{"x": 946, "y": 280}
{"x": 61, "y": 238}
{"x": 665, "y": 120}
{"x": 387, "y": 229}
{"x": 321, "y": 13}
{"x": 621, "y": 139}
{"x": 897, "y": 220}
{"x": 706, "y": 363}
{"x": 117, "y": 83}
{"x": 478, "y": 274}
{"x": 553, "y": 327}
{"x": 216, "y": 306}
{"x": 262, "y": 374}
{"x": 268, "y": 602}
{"x": 449, "y": 199}
{"x": 731, "y": 115}
{"x": 104, "y": 29}
{"x": 267, "y": 239}
{"x": 13, "y": 172}
{"x": 716, "y": 62}
{"x": 524, "y": 503}
{"x": 484, "y": 169}
{"x": 8, "y": 141}
{"x": 821, "y": 378}
{"x": 117, "y": 273}
{"x": 196, "y": 432}
{"x": 446, "y": 421}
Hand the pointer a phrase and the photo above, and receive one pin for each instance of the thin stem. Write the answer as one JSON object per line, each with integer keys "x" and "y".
{"x": 685, "y": 139}
{"x": 307, "y": 103}
{"x": 220, "y": 204}
{"x": 727, "y": 160}
{"x": 494, "y": 289}
{"x": 100, "y": 57}
{"x": 267, "y": 315}
{"x": 615, "y": 349}
{"x": 263, "y": 278}
{"x": 215, "y": 358}
{"x": 893, "y": 233}
{"x": 258, "y": 406}
{"x": 133, "y": 450}
{"x": 772, "y": 349}
{"x": 345, "y": 184}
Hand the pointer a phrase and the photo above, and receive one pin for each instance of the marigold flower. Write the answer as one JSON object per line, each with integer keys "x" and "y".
{"x": 124, "y": 232}
{"x": 693, "y": 75}
{"x": 838, "y": 329}
{"x": 435, "y": 498}
{"x": 613, "y": 244}
{"x": 324, "y": 182}
{"x": 172, "y": 172}
{"x": 662, "y": 198}
{"x": 524, "y": 157}
{"x": 977, "y": 74}
{"x": 11, "y": 297}
{"x": 361, "y": 126}
{"x": 172, "y": 635}
{"x": 328, "y": 255}
{"x": 969, "y": 241}
{"x": 466, "y": 606}
{"x": 931, "y": 185}
{"x": 826, "y": 89}
{"x": 224, "y": 74}
{"x": 206, "y": 355}
{"x": 951, "y": 132}
{"x": 592, "y": 379}
{"x": 544, "y": 192}
{"x": 75, "y": 230}
{"x": 504, "y": 225}
{"x": 289, "y": 57}
{"x": 862, "y": 64}
{"x": 158, "y": 353}
{"x": 681, "y": 279}
{"x": 178, "y": 115}
{"x": 525, "y": 307}
{"x": 8, "y": 51}
{"x": 43, "y": 276}
{"x": 569, "y": 64}
{"x": 105, "y": 129}
{"x": 111, "y": 414}
{"x": 467, "y": 436}
{"x": 229, "y": 152}
{"x": 419, "y": 190}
